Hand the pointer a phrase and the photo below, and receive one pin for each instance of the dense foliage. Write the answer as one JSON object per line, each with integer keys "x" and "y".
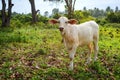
{"x": 113, "y": 17}
{"x": 101, "y": 16}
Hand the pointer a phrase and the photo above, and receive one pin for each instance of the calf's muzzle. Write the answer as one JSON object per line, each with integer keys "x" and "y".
{"x": 61, "y": 29}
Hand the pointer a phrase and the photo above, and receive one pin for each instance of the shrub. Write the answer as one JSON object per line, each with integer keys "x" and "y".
{"x": 56, "y": 16}
{"x": 101, "y": 21}
{"x": 82, "y": 16}
{"x": 115, "y": 25}
{"x": 16, "y": 23}
{"x": 42, "y": 19}
{"x": 113, "y": 17}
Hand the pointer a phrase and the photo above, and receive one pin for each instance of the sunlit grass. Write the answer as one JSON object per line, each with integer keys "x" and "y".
{"x": 34, "y": 53}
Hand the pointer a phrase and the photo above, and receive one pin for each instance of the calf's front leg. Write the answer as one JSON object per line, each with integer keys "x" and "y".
{"x": 71, "y": 56}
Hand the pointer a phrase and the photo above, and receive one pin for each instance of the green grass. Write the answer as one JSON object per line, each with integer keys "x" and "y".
{"x": 31, "y": 53}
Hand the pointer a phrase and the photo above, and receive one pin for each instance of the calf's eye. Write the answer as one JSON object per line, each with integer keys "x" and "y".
{"x": 58, "y": 22}
{"x": 66, "y": 22}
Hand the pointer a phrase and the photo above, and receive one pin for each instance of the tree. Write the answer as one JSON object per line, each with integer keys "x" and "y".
{"x": 116, "y": 9}
{"x": 6, "y": 15}
{"x": 70, "y": 5}
{"x": 55, "y": 11}
{"x": 97, "y": 13}
{"x": 46, "y": 13}
{"x": 84, "y": 8}
{"x": 108, "y": 9}
{"x": 113, "y": 17}
{"x": 34, "y": 12}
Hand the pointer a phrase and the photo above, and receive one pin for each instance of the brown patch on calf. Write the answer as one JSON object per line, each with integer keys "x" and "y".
{"x": 53, "y": 21}
{"x": 70, "y": 48}
{"x": 90, "y": 46}
{"x": 69, "y": 39}
{"x": 72, "y": 21}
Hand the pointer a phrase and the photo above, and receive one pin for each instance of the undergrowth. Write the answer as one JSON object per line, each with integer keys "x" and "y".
{"x": 31, "y": 53}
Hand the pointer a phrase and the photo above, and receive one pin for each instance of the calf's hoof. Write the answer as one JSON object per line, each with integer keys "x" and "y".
{"x": 88, "y": 61}
{"x": 95, "y": 58}
{"x": 70, "y": 68}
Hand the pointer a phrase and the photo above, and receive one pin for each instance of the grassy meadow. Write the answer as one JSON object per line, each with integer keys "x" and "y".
{"x": 33, "y": 53}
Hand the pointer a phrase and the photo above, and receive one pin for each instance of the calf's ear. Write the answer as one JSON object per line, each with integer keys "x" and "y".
{"x": 53, "y": 21}
{"x": 72, "y": 21}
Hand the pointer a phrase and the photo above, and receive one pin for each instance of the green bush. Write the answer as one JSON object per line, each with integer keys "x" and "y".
{"x": 101, "y": 21}
{"x": 16, "y": 23}
{"x": 56, "y": 15}
{"x": 113, "y": 17}
{"x": 43, "y": 19}
{"x": 23, "y": 18}
{"x": 82, "y": 16}
{"x": 115, "y": 25}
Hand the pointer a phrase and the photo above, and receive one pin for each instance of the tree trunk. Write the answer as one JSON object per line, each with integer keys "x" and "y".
{"x": 3, "y": 13}
{"x": 70, "y": 6}
{"x": 6, "y": 17}
{"x": 34, "y": 12}
{"x": 9, "y": 12}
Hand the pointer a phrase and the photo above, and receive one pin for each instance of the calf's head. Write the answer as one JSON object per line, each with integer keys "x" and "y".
{"x": 63, "y": 22}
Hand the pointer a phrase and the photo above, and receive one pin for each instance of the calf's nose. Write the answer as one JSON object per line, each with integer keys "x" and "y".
{"x": 61, "y": 29}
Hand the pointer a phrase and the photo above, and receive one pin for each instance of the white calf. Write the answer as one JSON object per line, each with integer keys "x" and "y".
{"x": 75, "y": 35}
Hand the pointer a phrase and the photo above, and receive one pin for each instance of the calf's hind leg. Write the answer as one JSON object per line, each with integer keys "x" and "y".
{"x": 90, "y": 47}
{"x": 95, "y": 42}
